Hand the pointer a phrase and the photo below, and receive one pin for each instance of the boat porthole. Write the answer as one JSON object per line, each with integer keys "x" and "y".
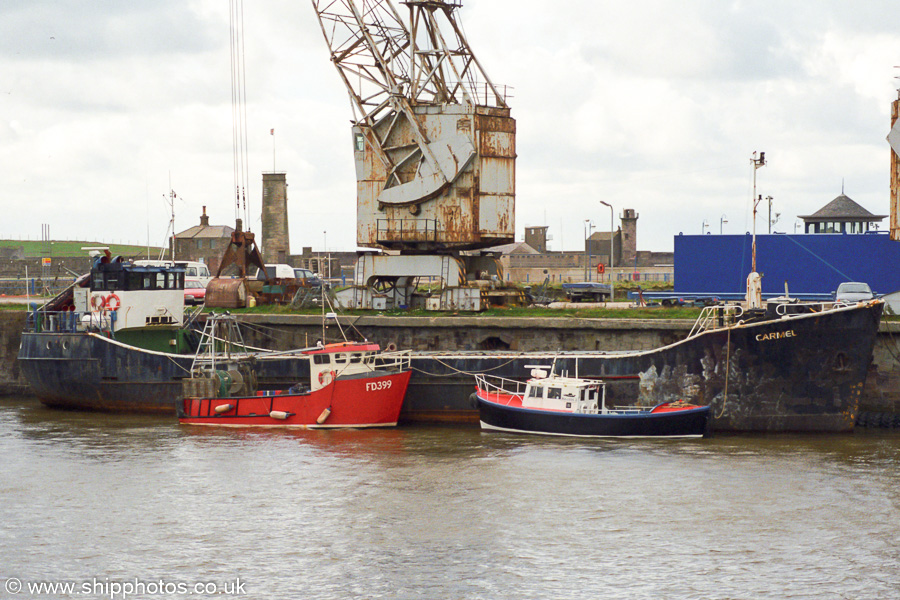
{"x": 65, "y": 345}
{"x": 49, "y": 345}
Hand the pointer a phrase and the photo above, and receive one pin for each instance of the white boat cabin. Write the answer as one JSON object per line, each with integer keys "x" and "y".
{"x": 341, "y": 360}
{"x": 125, "y": 296}
{"x": 564, "y": 394}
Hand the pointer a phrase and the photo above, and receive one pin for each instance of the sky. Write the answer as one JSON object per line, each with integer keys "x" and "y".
{"x": 106, "y": 106}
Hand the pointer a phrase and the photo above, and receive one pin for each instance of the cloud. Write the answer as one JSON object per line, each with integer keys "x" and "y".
{"x": 651, "y": 105}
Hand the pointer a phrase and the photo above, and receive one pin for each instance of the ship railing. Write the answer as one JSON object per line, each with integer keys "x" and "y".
{"x": 500, "y": 386}
{"x": 67, "y": 321}
{"x": 716, "y": 317}
{"x": 393, "y": 360}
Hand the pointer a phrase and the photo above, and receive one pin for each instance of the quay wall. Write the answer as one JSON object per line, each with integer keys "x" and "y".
{"x": 11, "y": 324}
{"x": 882, "y": 392}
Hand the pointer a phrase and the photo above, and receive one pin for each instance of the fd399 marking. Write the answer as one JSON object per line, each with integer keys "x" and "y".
{"x": 374, "y": 386}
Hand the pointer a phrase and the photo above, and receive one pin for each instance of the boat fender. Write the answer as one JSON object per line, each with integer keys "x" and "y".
{"x": 109, "y": 302}
{"x": 392, "y": 347}
{"x": 326, "y": 377}
{"x": 324, "y": 416}
{"x": 279, "y": 414}
{"x": 223, "y": 408}
{"x": 473, "y": 399}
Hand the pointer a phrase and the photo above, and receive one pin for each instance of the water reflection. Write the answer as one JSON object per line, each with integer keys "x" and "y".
{"x": 449, "y": 512}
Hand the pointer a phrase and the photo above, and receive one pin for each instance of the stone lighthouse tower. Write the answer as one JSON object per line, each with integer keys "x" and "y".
{"x": 276, "y": 244}
{"x": 628, "y": 241}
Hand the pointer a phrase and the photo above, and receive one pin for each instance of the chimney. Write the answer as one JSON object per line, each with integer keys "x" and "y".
{"x": 204, "y": 220}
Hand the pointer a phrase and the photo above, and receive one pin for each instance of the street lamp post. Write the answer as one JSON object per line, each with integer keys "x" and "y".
{"x": 704, "y": 226}
{"x": 612, "y": 247}
{"x": 722, "y": 221}
{"x": 588, "y": 228}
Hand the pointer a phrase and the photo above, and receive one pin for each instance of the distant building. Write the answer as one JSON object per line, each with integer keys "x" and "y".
{"x": 531, "y": 262}
{"x": 204, "y": 243}
{"x": 841, "y": 215}
{"x": 536, "y": 237}
{"x": 276, "y": 244}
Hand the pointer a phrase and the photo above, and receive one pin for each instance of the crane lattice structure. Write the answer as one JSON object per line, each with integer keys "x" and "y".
{"x": 390, "y": 69}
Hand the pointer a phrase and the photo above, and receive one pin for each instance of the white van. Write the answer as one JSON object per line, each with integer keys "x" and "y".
{"x": 193, "y": 271}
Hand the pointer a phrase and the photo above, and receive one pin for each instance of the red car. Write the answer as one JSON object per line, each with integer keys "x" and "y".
{"x": 194, "y": 293}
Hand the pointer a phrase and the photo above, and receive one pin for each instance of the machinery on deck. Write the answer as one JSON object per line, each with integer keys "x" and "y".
{"x": 434, "y": 146}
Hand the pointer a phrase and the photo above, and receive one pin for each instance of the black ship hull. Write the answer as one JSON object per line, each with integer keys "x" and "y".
{"x": 683, "y": 423}
{"x": 804, "y": 372}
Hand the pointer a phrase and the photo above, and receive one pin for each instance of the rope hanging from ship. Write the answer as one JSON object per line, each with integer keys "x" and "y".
{"x": 462, "y": 372}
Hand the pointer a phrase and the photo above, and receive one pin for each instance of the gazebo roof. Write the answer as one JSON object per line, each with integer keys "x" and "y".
{"x": 842, "y": 208}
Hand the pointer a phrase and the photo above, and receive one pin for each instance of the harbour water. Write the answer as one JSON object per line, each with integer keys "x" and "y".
{"x": 125, "y": 506}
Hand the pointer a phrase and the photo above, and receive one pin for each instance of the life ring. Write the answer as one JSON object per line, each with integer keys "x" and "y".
{"x": 98, "y": 302}
{"x": 108, "y": 302}
{"x": 326, "y": 377}
{"x": 601, "y": 268}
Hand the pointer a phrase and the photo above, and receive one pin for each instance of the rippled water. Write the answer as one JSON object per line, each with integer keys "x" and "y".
{"x": 443, "y": 512}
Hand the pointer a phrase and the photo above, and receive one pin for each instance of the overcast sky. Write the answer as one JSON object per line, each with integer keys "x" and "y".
{"x": 655, "y": 106}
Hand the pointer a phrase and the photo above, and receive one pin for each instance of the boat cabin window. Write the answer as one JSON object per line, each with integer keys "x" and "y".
{"x": 126, "y": 280}
{"x": 340, "y": 358}
{"x": 321, "y": 359}
{"x": 536, "y": 392}
{"x": 554, "y": 392}
{"x": 355, "y": 358}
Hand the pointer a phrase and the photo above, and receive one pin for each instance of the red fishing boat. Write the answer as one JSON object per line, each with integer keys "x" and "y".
{"x": 351, "y": 384}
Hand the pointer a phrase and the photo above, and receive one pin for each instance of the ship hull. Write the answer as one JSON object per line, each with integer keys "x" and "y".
{"x": 801, "y": 373}
{"x": 494, "y": 416}
{"x": 347, "y": 402}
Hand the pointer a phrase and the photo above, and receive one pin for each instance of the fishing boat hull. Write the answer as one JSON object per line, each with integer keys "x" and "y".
{"x": 687, "y": 422}
{"x": 372, "y": 401}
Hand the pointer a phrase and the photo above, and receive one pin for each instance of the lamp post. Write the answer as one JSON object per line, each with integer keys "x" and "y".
{"x": 612, "y": 247}
{"x": 704, "y": 226}
{"x": 722, "y": 221}
{"x": 588, "y": 227}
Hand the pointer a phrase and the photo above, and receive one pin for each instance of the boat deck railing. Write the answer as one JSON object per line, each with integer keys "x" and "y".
{"x": 716, "y": 317}
{"x": 397, "y": 359}
{"x": 68, "y": 321}
{"x": 494, "y": 384}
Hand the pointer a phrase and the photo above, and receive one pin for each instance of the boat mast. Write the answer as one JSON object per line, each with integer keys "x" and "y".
{"x": 754, "y": 283}
{"x": 757, "y": 163}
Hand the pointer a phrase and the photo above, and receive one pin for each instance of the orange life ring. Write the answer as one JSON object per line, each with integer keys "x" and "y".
{"x": 601, "y": 268}
{"x": 326, "y": 377}
{"x": 109, "y": 300}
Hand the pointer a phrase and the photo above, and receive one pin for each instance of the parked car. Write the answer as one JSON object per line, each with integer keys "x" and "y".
{"x": 307, "y": 277}
{"x": 853, "y": 291}
{"x": 194, "y": 292}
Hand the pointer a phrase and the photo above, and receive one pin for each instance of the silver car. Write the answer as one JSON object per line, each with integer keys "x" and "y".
{"x": 853, "y": 291}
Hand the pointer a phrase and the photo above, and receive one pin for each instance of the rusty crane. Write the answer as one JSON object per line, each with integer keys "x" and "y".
{"x": 434, "y": 150}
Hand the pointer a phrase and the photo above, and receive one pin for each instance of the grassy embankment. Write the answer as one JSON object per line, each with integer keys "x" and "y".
{"x": 37, "y": 248}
